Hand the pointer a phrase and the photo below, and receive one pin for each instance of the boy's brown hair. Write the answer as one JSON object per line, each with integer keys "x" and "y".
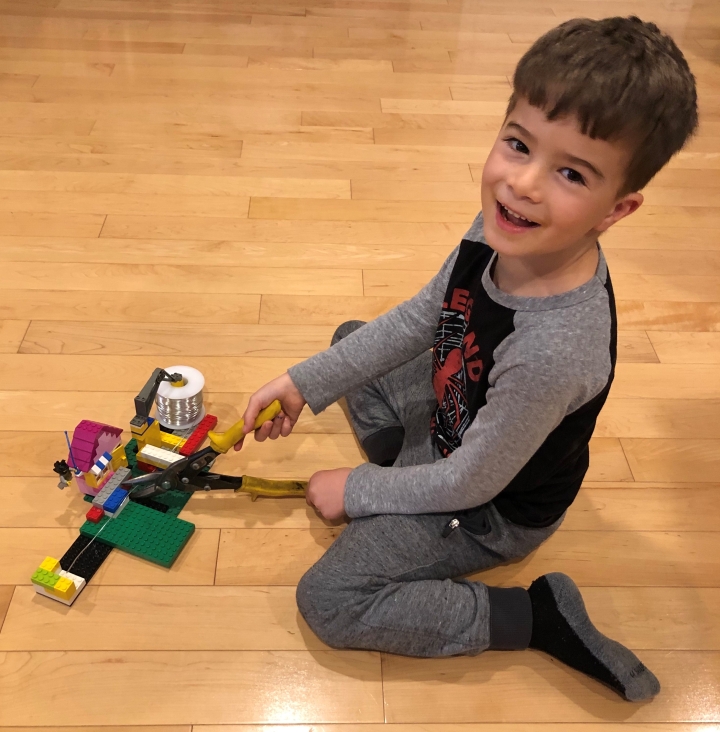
{"x": 623, "y": 79}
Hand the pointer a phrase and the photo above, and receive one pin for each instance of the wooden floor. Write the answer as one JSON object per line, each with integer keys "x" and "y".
{"x": 220, "y": 183}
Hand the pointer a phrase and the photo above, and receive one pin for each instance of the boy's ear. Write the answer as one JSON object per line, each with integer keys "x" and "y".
{"x": 623, "y": 207}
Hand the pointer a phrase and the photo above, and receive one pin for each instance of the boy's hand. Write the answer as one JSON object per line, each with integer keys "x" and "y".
{"x": 326, "y": 492}
{"x": 292, "y": 403}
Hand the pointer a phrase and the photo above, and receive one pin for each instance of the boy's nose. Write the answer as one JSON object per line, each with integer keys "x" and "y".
{"x": 525, "y": 183}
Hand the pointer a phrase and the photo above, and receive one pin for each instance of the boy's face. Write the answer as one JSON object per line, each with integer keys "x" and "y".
{"x": 563, "y": 183}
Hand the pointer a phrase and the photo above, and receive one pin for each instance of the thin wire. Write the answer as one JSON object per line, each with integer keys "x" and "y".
{"x": 102, "y": 528}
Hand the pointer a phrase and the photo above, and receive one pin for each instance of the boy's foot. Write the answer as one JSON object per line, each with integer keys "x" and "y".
{"x": 562, "y": 628}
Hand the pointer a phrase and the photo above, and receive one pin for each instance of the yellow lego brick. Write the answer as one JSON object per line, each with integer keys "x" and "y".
{"x": 119, "y": 458}
{"x": 90, "y": 479}
{"x": 64, "y": 589}
{"x": 50, "y": 564}
{"x": 147, "y": 435}
{"x": 172, "y": 442}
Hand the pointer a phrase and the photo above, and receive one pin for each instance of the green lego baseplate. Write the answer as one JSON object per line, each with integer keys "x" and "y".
{"x": 144, "y": 532}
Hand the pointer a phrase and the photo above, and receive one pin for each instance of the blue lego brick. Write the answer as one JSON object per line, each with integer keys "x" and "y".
{"x": 112, "y": 503}
{"x": 120, "y": 475}
{"x": 144, "y": 532}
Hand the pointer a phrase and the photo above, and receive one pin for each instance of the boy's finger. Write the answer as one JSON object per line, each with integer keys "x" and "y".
{"x": 238, "y": 445}
{"x": 263, "y": 432}
{"x": 276, "y": 427}
{"x": 287, "y": 426}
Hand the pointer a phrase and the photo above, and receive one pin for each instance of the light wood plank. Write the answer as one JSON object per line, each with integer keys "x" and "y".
{"x": 250, "y": 254}
{"x": 251, "y": 230}
{"x": 692, "y": 460}
{"x": 662, "y": 262}
{"x": 164, "y": 619}
{"x": 167, "y": 339}
{"x": 551, "y": 691}
{"x": 270, "y": 556}
{"x": 661, "y": 506}
{"x": 195, "y": 278}
{"x": 663, "y": 316}
{"x": 12, "y": 333}
{"x": 607, "y": 461}
{"x": 117, "y": 307}
{"x": 171, "y": 185}
{"x": 635, "y": 347}
{"x": 59, "y": 202}
{"x": 208, "y": 687}
{"x": 687, "y": 348}
{"x": 21, "y": 550}
{"x": 287, "y": 309}
{"x": 43, "y": 224}
{"x": 653, "y": 237}
{"x": 667, "y": 381}
{"x": 659, "y": 418}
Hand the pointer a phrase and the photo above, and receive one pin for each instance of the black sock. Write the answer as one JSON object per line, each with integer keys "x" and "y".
{"x": 562, "y": 628}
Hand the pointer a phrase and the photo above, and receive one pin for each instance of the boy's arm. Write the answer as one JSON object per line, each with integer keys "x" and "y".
{"x": 524, "y": 405}
{"x": 376, "y": 348}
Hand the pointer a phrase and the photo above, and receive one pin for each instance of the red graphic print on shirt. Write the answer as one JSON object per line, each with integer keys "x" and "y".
{"x": 455, "y": 361}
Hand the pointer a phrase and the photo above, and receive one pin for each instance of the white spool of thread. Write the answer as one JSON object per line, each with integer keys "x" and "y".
{"x": 181, "y": 407}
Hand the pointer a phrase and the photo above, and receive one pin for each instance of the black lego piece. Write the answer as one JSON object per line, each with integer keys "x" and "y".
{"x": 94, "y": 553}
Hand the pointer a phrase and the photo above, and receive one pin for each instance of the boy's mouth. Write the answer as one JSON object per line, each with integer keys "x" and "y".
{"x": 515, "y": 218}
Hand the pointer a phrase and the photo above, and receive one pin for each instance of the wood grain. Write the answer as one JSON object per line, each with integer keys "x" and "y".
{"x": 211, "y": 687}
{"x": 550, "y": 690}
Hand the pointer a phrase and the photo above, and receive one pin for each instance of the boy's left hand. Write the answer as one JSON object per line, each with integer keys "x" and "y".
{"x": 326, "y": 492}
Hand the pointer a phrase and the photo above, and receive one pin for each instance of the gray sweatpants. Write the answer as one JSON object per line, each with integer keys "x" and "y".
{"x": 389, "y": 583}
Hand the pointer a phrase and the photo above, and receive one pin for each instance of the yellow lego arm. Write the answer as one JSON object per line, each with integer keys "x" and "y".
{"x": 223, "y": 441}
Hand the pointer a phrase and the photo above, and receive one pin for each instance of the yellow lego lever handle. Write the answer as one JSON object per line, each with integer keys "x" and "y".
{"x": 223, "y": 441}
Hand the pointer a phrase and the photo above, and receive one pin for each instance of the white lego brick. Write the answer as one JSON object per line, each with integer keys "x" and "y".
{"x": 158, "y": 457}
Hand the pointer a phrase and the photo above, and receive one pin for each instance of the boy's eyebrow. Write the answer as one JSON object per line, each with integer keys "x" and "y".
{"x": 571, "y": 158}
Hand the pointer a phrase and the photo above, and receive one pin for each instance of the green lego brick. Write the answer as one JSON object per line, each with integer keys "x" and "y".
{"x": 45, "y": 579}
{"x": 144, "y": 532}
{"x": 131, "y": 455}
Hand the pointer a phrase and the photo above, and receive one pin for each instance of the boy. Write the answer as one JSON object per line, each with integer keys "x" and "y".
{"x": 477, "y": 447}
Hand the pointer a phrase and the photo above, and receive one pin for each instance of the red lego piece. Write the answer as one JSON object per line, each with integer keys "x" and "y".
{"x": 145, "y": 467}
{"x": 94, "y": 514}
{"x": 197, "y": 438}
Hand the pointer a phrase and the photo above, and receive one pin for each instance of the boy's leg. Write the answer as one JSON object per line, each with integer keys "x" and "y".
{"x": 385, "y": 585}
{"x": 391, "y": 415}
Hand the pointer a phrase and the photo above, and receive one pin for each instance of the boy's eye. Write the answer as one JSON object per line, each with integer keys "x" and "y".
{"x": 517, "y": 145}
{"x": 573, "y": 176}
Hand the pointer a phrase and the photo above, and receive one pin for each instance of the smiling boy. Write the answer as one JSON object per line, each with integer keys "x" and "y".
{"x": 476, "y": 399}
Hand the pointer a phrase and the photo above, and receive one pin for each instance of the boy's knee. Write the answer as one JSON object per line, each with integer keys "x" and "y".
{"x": 345, "y": 330}
{"x": 320, "y": 606}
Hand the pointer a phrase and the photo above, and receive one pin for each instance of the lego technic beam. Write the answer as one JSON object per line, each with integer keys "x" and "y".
{"x": 146, "y": 398}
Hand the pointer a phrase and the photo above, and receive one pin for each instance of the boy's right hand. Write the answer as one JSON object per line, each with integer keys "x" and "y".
{"x": 292, "y": 403}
